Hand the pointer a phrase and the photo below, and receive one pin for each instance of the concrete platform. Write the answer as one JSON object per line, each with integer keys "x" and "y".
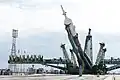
{"x": 60, "y": 77}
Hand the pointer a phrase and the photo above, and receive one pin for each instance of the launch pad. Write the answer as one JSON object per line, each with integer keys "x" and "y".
{"x": 60, "y": 77}
{"x": 84, "y": 58}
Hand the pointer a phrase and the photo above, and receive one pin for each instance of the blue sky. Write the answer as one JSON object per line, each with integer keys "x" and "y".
{"x": 41, "y": 25}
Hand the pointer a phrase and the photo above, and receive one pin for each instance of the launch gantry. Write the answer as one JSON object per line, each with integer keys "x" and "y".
{"x": 101, "y": 54}
{"x": 81, "y": 60}
{"x": 88, "y": 46}
{"x": 65, "y": 54}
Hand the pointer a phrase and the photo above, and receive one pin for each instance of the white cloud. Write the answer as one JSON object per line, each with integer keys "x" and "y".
{"x": 25, "y": 15}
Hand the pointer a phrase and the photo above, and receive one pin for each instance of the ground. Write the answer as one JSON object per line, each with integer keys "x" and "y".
{"x": 60, "y": 77}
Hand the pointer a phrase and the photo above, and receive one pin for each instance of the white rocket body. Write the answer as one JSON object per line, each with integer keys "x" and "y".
{"x": 69, "y": 22}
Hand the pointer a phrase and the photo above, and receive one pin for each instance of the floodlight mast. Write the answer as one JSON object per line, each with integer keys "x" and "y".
{"x": 14, "y": 35}
{"x": 13, "y": 49}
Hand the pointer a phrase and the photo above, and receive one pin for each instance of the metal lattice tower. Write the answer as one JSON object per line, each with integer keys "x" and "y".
{"x": 14, "y": 36}
{"x": 13, "y": 49}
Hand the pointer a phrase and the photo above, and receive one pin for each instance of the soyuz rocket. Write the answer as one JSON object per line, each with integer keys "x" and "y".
{"x": 82, "y": 58}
